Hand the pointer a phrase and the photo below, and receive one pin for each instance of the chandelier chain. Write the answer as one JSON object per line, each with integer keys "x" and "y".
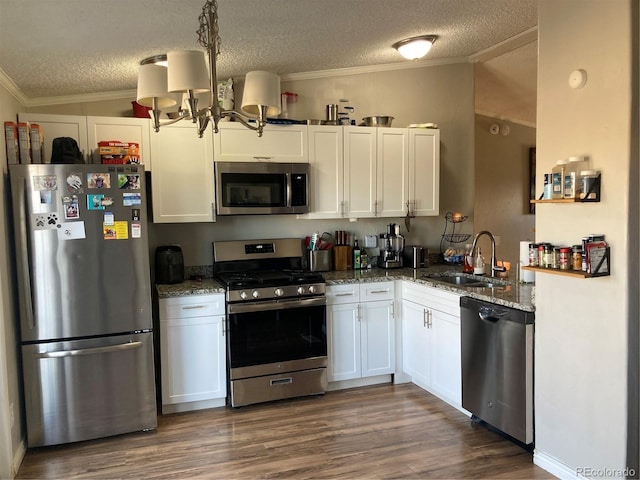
{"x": 209, "y": 33}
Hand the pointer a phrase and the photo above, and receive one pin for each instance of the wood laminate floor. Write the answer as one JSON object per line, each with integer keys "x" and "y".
{"x": 384, "y": 431}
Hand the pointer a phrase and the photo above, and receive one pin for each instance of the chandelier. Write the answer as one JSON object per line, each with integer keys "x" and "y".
{"x": 186, "y": 75}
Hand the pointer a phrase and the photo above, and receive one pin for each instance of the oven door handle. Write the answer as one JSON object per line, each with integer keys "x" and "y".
{"x": 277, "y": 305}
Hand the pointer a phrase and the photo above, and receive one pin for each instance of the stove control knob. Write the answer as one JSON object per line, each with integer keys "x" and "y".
{"x": 300, "y": 290}
{"x": 243, "y": 295}
{"x": 312, "y": 289}
{"x": 278, "y": 292}
{"x": 255, "y": 294}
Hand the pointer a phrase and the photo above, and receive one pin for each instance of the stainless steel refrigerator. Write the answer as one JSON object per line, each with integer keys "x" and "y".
{"x": 82, "y": 263}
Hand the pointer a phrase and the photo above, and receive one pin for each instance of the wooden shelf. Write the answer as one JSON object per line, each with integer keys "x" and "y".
{"x": 566, "y": 273}
{"x": 565, "y": 200}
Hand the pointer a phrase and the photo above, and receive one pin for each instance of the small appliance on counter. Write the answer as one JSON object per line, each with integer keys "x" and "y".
{"x": 416, "y": 256}
{"x": 391, "y": 252}
{"x": 169, "y": 265}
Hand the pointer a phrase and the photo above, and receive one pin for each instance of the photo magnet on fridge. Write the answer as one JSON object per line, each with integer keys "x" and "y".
{"x": 98, "y": 180}
{"x": 94, "y": 202}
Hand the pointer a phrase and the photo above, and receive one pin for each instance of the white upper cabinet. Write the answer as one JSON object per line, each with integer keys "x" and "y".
{"x": 392, "y": 182}
{"x": 279, "y": 143}
{"x": 360, "y": 170}
{"x": 123, "y": 129}
{"x": 88, "y": 131}
{"x": 424, "y": 171}
{"x": 182, "y": 178}
{"x": 54, "y": 126}
{"x": 326, "y": 176}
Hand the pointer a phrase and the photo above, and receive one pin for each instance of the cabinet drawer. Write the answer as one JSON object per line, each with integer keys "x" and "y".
{"x": 370, "y": 292}
{"x": 349, "y": 293}
{"x": 434, "y": 298}
{"x": 191, "y": 306}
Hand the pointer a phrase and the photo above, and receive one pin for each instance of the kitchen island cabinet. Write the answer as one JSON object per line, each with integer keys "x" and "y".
{"x": 360, "y": 330}
{"x": 182, "y": 181}
{"x": 192, "y": 352}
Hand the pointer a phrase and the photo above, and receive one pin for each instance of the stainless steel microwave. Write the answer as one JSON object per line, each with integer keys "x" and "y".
{"x": 254, "y": 188}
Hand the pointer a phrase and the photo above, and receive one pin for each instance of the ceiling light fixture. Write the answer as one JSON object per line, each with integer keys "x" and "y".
{"x": 186, "y": 73}
{"x": 415, "y": 47}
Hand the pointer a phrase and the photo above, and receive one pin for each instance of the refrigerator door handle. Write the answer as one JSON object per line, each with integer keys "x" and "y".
{"x": 25, "y": 246}
{"x": 89, "y": 351}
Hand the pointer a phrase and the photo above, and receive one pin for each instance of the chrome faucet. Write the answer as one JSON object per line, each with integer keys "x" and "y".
{"x": 494, "y": 266}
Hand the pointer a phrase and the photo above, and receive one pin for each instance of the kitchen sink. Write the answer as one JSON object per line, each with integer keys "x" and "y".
{"x": 463, "y": 280}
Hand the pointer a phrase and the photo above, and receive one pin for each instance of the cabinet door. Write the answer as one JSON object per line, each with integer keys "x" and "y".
{"x": 192, "y": 359}
{"x": 279, "y": 143}
{"x": 392, "y": 180}
{"x": 134, "y": 130}
{"x": 446, "y": 374}
{"x": 424, "y": 171}
{"x": 377, "y": 338}
{"x": 182, "y": 178}
{"x": 360, "y": 171}
{"x": 326, "y": 159}
{"x": 416, "y": 343}
{"x": 343, "y": 334}
{"x": 53, "y": 126}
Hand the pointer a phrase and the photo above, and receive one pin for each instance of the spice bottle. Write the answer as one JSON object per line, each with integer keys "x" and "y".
{"x": 565, "y": 258}
{"x": 576, "y": 257}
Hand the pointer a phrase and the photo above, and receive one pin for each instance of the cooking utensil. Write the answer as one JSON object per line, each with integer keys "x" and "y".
{"x": 377, "y": 121}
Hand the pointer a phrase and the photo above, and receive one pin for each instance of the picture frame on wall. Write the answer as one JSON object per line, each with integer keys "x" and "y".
{"x": 532, "y": 180}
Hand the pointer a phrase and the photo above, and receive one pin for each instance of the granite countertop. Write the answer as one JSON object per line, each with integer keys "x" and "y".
{"x": 520, "y": 296}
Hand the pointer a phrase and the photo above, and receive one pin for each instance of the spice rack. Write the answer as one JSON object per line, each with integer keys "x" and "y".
{"x": 597, "y": 271}
{"x": 594, "y": 189}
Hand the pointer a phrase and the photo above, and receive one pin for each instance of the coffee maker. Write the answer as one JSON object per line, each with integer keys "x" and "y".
{"x": 391, "y": 253}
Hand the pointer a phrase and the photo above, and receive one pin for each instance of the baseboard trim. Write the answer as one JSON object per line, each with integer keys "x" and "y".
{"x": 18, "y": 456}
{"x": 191, "y": 406}
{"x": 554, "y": 466}
{"x": 358, "y": 382}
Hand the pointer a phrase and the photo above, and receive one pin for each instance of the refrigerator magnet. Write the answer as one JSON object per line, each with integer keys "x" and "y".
{"x": 108, "y": 232}
{"x": 98, "y": 180}
{"x": 74, "y": 183}
{"x": 129, "y": 181}
{"x": 122, "y": 230}
{"x": 106, "y": 201}
{"x": 44, "y": 221}
{"x": 135, "y": 214}
{"x": 71, "y": 231}
{"x": 108, "y": 218}
{"x": 94, "y": 202}
{"x": 45, "y": 182}
{"x": 70, "y": 204}
{"x": 136, "y": 230}
{"x": 45, "y": 197}
{"x": 130, "y": 199}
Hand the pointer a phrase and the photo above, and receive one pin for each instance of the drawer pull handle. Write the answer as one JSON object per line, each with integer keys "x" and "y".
{"x": 193, "y": 307}
{"x": 380, "y": 291}
{"x": 349, "y": 294}
{"x": 281, "y": 381}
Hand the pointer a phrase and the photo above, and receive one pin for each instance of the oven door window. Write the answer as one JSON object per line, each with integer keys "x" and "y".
{"x": 254, "y": 190}
{"x": 271, "y": 336}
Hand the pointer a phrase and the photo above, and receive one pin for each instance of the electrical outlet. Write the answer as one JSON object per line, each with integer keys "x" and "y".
{"x": 497, "y": 238}
{"x": 11, "y": 415}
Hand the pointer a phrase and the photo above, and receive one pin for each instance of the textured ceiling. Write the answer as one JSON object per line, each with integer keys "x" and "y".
{"x": 52, "y": 48}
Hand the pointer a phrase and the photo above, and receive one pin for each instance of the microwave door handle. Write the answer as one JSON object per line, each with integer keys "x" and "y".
{"x": 288, "y": 177}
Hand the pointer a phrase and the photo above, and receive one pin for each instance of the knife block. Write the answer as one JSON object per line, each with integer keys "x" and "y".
{"x": 342, "y": 258}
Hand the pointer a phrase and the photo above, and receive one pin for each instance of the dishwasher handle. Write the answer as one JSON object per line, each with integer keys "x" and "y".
{"x": 488, "y": 318}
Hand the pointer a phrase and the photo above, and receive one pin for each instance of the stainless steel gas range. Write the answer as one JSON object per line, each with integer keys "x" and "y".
{"x": 276, "y": 320}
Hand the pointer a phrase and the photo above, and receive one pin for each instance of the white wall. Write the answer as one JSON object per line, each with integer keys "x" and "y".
{"x": 581, "y": 325}
{"x": 11, "y": 436}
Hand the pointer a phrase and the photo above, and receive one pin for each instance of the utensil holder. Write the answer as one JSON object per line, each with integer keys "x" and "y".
{"x": 319, "y": 260}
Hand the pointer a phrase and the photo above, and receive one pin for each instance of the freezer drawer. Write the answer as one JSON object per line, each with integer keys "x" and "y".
{"x": 84, "y": 389}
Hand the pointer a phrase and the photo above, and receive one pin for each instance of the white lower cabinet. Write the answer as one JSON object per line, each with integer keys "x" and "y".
{"x": 360, "y": 330}
{"x": 431, "y": 340}
{"x": 192, "y": 352}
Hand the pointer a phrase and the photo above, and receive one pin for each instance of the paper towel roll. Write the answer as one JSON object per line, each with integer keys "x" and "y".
{"x": 526, "y": 276}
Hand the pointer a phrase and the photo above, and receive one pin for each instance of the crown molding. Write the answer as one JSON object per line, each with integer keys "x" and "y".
{"x": 12, "y": 88}
{"x": 83, "y": 98}
{"x": 506, "y": 46}
{"x": 502, "y": 118}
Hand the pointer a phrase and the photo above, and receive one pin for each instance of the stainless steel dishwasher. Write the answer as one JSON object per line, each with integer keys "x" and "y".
{"x": 497, "y": 366}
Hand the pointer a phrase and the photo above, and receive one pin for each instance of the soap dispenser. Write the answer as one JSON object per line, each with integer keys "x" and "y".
{"x": 478, "y": 263}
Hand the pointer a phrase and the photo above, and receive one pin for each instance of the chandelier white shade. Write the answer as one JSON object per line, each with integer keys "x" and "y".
{"x": 152, "y": 83}
{"x": 261, "y": 89}
{"x": 187, "y": 70}
{"x": 188, "y": 78}
{"x": 415, "y": 47}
